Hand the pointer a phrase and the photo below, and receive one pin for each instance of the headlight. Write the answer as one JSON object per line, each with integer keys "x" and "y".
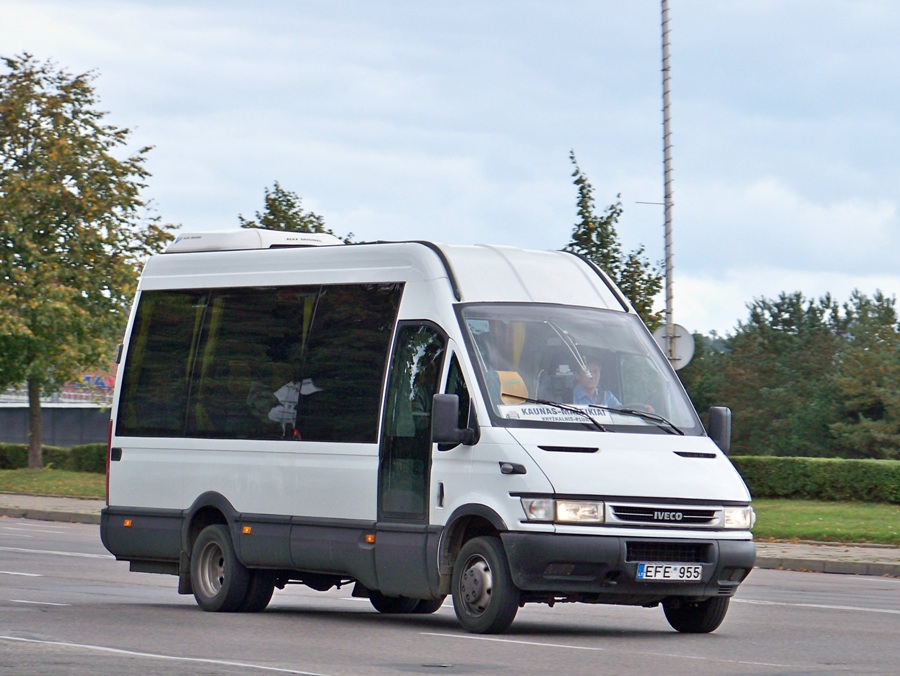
{"x": 741, "y": 518}
{"x": 576, "y": 511}
{"x": 563, "y": 511}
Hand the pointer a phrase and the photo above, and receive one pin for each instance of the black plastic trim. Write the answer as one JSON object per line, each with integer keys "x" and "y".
{"x": 576, "y": 564}
{"x": 569, "y": 449}
{"x": 454, "y": 285}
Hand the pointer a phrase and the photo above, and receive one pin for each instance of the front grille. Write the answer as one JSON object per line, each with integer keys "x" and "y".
{"x": 664, "y": 515}
{"x": 668, "y": 552}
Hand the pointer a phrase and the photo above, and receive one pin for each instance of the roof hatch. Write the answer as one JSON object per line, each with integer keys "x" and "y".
{"x": 247, "y": 238}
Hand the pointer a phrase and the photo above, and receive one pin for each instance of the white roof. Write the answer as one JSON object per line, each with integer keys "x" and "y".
{"x": 467, "y": 273}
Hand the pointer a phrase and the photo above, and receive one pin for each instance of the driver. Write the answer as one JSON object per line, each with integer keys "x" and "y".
{"x": 587, "y": 392}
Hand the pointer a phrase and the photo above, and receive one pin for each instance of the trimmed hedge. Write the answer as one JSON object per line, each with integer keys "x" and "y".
{"x": 821, "y": 478}
{"x": 84, "y": 458}
{"x": 88, "y": 458}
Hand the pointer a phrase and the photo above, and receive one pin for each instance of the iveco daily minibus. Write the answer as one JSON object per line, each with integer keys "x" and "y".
{"x": 417, "y": 420}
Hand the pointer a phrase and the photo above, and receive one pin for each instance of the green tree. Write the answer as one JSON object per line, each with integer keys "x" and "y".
{"x": 778, "y": 377}
{"x": 867, "y": 379}
{"x": 702, "y": 377}
{"x": 73, "y": 231}
{"x": 594, "y": 237}
{"x": 807, "y": 378}
{"x": 283, "y": 210}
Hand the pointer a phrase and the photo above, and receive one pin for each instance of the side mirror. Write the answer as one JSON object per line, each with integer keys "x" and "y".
{"x": 444, "y": 418}
{"x": 720, "y": 427}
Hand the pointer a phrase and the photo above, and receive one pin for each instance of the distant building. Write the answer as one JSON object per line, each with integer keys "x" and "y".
{"x": 77, "y": 414}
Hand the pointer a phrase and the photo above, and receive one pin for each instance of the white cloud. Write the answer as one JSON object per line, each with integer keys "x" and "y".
{"x": 766, "y": 222}
{"x": 716, "y": 303}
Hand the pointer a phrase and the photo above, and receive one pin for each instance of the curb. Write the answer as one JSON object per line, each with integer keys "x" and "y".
{"x": 829, "y": 566}
{"x": 46, "y": 515}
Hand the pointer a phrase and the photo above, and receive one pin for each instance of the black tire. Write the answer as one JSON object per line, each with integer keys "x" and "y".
{"x": 259, "y": 591}
{"x": 219, "y": 580}
{"x": 392, "y": 605}
{"x": 696, "y": 617}
{"x": 484, "y": 597}
{"x": 428, "y": 606}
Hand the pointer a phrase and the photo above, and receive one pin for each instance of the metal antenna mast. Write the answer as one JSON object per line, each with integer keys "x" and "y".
{"x": 667, "y": 176}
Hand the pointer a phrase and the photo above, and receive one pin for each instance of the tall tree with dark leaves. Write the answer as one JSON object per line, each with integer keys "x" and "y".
{"x": 595, "y": 237}
{"x": 283, "y": 210}
{"x": 867, "y": 379}
{"x": 74, "y": 230}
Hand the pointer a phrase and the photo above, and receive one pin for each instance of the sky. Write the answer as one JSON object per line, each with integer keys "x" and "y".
{"x": 453, "y": 122}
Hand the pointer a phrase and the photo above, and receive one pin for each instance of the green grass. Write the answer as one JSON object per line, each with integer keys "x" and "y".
{"x": 776, "y": 519}
{"x": 53, "y": 482}
{"x": 827, "y": 521}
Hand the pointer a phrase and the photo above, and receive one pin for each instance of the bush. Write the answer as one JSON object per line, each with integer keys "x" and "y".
{"x": 55, "y": 457}
{"x": 821, "y": 478}
{"x": 88, "y": 458}
{"x": 13, "y": 456}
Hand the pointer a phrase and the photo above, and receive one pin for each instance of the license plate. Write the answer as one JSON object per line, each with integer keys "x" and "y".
{"x": 669, "y": 572}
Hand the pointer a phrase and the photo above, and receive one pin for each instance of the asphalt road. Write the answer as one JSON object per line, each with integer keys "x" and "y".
{"x": 67, "y": 607}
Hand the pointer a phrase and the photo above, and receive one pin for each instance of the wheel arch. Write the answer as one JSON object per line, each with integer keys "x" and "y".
{"x": 209, "y": 508}
{"x": 466, "y": 522}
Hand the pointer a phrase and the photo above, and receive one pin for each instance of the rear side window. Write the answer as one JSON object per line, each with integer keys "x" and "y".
{"x": 300, "y": 362}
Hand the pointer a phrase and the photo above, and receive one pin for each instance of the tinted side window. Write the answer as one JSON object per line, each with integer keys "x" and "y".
{"x": 153, "y": 400}
{"x": 345, "y": 362}
{"x": 250, "y": 349}
{"x": 406, "y": 438}
{"x": 456, "y": 384}
{"x": 259, "y": 363}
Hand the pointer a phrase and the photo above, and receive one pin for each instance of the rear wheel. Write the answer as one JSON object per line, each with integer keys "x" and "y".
{"x": 428, "y": 606}
{"x": 259, "y": 591}
{"x": 220, "y": 581}
{"x": 392, "y": 605}
{"x": 696, "y": 617}
{"x": 484, "y": 596}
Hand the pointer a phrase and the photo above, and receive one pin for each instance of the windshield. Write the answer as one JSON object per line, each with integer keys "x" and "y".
{"x": 571, "y": 367}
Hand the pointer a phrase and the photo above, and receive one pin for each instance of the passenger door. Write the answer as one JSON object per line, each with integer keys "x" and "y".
{"x": 403, "y": 564}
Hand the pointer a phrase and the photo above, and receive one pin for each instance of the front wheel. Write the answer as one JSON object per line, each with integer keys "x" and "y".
{"x": 695, "y": 617}
{"x": 484, "y": 596}
{"x": 219, "y": 579}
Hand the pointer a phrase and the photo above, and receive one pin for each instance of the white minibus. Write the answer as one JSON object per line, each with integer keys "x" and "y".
{"x": 418, "y": 420}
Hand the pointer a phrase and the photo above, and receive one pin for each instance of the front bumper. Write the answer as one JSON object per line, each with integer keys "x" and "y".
{"x": 604, "y": 568}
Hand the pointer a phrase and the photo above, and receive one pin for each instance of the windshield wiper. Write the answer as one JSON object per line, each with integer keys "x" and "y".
{"x": 661, "y": 422}
{"x": 555, "y": 404}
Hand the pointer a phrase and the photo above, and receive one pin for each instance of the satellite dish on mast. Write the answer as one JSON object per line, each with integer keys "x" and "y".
{"x": 682, "y": 345}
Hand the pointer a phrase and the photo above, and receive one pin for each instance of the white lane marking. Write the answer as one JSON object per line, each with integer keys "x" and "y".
{"x": 820, "y": 606}
{"x": 35, "y": 530}
{"x": 539, "y": 644}
{"x": 20, "y": 550}
{"x": 12, "y": 572}
{"x": 158, "y": 656}
{"x": 39, "y": 603}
